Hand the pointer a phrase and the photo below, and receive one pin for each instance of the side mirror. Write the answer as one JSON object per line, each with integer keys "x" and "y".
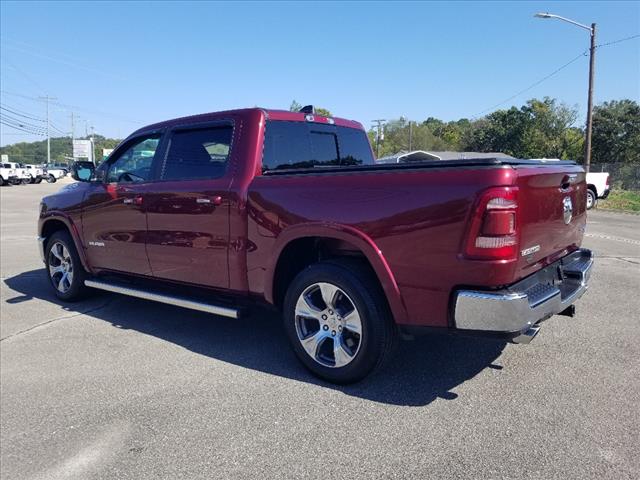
{"x": 82, "y": 171}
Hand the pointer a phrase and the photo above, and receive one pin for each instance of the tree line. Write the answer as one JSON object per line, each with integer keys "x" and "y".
{"x": 36, "y": 152}
{"x": 538, "y": 129}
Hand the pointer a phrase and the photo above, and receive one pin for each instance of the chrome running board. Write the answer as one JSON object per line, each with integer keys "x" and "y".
{"x": 162, "y": 298}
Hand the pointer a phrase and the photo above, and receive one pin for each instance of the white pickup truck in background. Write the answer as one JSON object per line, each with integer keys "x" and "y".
{"x": 8, "y": 175}
{"x": 23, "y": 175}
{"x": 36, "y": 172}
{"x": 52, "y": 175}
{"x": 597, "y": 187}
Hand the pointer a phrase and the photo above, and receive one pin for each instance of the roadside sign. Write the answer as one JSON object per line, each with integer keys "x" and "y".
{"x": 82, "y": 149}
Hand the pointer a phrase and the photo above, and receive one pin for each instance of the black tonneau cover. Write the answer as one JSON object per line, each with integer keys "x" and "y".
{"x": 467, "y": 162}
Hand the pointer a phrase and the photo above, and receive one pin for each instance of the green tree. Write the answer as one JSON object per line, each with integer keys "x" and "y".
{"x": 540, "y": 128}
{"x": 616, "y": 132}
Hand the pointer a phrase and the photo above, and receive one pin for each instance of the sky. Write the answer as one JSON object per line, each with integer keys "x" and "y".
{"x": 121, "y": 65}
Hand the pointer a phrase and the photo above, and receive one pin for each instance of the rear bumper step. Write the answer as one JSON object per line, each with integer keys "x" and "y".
{"x": 518, "y": 308}
{"x": 178, "y": 301}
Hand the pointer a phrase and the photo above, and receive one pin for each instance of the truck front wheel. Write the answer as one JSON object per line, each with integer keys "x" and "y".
{"x": 64, "y": 268}
{"x": 338, "y": 321}
{"x": 51, "y": 179}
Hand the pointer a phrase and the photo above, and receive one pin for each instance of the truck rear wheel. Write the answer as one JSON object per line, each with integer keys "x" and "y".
{"x": 338, "y": 321}
{"x": 65, "y": 271}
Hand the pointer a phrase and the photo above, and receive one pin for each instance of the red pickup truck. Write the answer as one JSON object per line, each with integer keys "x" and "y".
{"x": 216, "y": 211}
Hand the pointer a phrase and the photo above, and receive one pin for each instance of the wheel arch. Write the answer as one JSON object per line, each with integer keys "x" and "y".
{"x": 53, "y": 224}
{"x": 301, "y": 245}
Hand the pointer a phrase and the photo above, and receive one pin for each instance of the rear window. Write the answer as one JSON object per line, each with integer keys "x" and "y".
{"x": 298, "y": 145}
{"x": 198, "y": 154}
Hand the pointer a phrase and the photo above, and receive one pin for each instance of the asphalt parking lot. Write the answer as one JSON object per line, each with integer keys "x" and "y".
{"x": 115, "y": 387}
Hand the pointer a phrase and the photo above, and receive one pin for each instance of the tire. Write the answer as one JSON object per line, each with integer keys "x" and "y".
{"x": 38, "y": 180}
{"x": 25, "y": 181}
{"x": 51, "y": 179}
{"x": 592, "y": 199}
{"x": 1, "y": 182}
{"x": 352, "y": 288}
{"x": 62, "y": 260}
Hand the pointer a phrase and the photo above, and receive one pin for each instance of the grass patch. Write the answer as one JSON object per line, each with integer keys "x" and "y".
{"x": 624, "y": 200}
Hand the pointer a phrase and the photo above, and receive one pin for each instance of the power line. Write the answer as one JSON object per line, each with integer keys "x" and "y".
{"x": 17, "y": 127}
{"x": 614, "y": 42}
{"x": 24, "y": 115}
{"x": 618, "y": 41}
{"x": 23, "y": 73}
{"x": 75, "y": 107}
{"x": 583, "y": 54}
{"x": 21, "y": 122}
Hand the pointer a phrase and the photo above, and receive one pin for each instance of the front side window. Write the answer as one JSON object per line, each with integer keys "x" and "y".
{"x": 134, "y": 165}
{"x": 198, "y": 154}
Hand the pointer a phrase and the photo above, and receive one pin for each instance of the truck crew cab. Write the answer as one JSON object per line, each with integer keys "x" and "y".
{"x": 214, "y": 211}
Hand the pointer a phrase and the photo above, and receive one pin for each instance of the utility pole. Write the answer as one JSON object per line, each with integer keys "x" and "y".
{"x": 592, "y": 60}
{"x": 93, "y": 151}
{"x": 379, "y": 129}
{"x": 73, "y": 135}
{"x": 47, "y": 99}
{"x": 410, "y": 133}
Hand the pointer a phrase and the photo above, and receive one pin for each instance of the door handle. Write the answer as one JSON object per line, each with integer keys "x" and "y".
{"x": 137, "y": 200}
{"x": 216, "y": 200}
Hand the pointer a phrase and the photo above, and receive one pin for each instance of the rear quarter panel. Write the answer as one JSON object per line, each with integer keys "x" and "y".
{"x": 416, "y": 218}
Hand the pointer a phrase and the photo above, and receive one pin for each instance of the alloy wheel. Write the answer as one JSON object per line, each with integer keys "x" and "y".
{"x": 60, "y": 266}
{"x": 328, "y": 325}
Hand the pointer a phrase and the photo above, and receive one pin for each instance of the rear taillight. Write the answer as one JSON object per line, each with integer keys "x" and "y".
{"x": 493, "y": 233}
{"x": 606, "y": 182}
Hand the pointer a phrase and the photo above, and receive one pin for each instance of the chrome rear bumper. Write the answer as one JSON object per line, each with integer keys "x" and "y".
{"x": 518, "y": 308}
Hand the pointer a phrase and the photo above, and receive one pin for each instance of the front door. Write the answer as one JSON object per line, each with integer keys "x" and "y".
{"x": 188, "y": 208}
{"x": 114, "y": 220}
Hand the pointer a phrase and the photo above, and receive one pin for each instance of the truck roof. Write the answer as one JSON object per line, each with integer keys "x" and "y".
{"x": 271, "y": 114}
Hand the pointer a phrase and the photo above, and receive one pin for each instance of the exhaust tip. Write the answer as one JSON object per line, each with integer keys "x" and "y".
{"x": 526, "y": 336}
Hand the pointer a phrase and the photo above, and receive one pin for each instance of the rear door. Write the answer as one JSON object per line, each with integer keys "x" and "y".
{"x": 188, "y": 208}
{"x": 114, "y": 222}
{"x": 552, "y": 212}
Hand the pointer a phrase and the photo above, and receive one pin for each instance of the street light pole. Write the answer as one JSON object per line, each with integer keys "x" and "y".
{"x": 587, "y": 140}
{"x": 592, "y": 58}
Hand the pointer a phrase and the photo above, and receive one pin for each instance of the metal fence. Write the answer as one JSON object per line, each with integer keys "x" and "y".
{"x": 624, "y": 176}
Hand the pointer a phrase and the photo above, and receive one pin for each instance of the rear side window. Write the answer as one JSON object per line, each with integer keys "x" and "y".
{"x": 298, "y": 145}
{"x": 198, "y": 154}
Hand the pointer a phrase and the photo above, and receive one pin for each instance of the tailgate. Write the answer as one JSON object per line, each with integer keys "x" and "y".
{"x": 552, "y": 214}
